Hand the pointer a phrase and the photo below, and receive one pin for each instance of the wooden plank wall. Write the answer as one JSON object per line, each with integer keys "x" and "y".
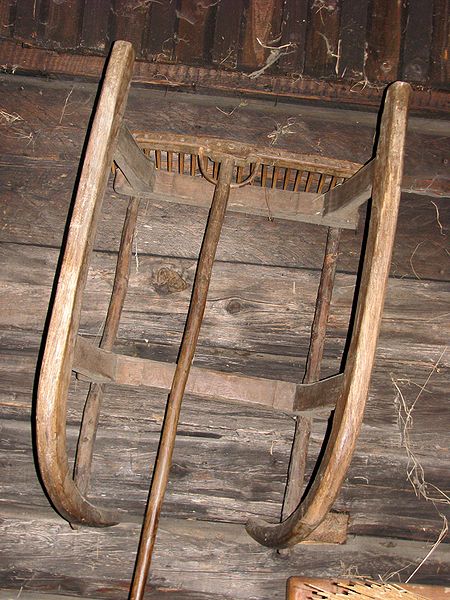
{"x": 367, "y": 42}
{"x": 230, "y": 462}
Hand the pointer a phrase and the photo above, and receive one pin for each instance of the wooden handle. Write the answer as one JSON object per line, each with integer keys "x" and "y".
{"x": 187, "y": 351}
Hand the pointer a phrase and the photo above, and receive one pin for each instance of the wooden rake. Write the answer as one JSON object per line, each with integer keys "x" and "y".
{"x": 246, "y": 179}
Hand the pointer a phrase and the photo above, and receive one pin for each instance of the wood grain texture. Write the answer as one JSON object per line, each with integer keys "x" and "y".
{"x": 160, "y": 32}
{"x": 383, "y": 40}
{"x": 263, "y": 23}
{"x": 91, "y": 412}
{"x": 6, "y": 23}
{"x": 322, "y": 39}
{"x": 184, "y": 77}
{"x": 191, "y": 576}
{"x": 359, "y": 361}
{"x": 302, "y": 588}
{"x": 352, "y": 33}
{"x": 95, "y": 34}
{"x": 356, "y": 43}
{"x": 129, "y": 23}
{"x": 439, "y": 70}
{"x": 294, "y": 25}
{"x": 230, "y": 462}
{"x": 63, "y": 23}
{"x": 227, "y": 34}
{"x": 137, "y": 169}
{"x": 195, "y": 31}
{"x": 417, "y": 42}
{"x": 65, "y": 313}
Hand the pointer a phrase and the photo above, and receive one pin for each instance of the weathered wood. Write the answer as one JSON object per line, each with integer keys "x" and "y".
{"x": 39, "y": 60}
{"x": 227, "y": 31}
{"x": 160, "y": 33}
{"x": 303, "y": 207}
{"x": 55, "y": 371}
{"x": 416, "y": 50}
{"x": 346, "y": 199}
{"x": 439, "y": 43}
{"x": 322, "y": 40}
{"x": 95, "y": 34}
{"x": 26, "y": 23}
{"x": 263, "y": 23}
{"x": 91, "y": 413}
{"x": 6, "y": 22}
{"x": 299, "y": 453}
{"x": 361, "y": 354}
{"x": 300, "y": 588}
{"x": 100, "y": 366}
{"x": 180, "y": 378}
{"x": 293, "y": 31}
{"x": 384, "y": 37}
{"x": 234, "y": 568}
{"x": 229, "y": 461}
{"x": 138, "y": 170}
{"x": 130, "y": 22}
{"x": 251, "y": 308}
{"x": 194, "y": 32}
{"x": 63, "y": 23}
{"x": 352, "y": 34}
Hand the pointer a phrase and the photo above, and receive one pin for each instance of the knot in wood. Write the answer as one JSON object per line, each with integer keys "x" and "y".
{"x": 234, "y": 306}
{"x": 168, "y": 281}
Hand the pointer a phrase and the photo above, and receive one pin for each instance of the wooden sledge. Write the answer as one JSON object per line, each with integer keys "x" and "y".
{"x": 245, "y": 179}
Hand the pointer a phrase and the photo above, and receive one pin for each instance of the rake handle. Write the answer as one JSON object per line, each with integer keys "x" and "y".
{"x": 187, "y": 351}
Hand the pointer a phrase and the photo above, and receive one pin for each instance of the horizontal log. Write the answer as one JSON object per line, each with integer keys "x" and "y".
{"x": 101, "y": 366}
{"x": 33, "y": 60}
{"x": 214, "y": 561}
{"x": 252, "y": 200}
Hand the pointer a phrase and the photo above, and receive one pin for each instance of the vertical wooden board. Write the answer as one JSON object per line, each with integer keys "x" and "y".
{"x": 353, "y": 39}
{"x": 195, "y": 32}
{"x": 417, "y": 41}
{"x": 294, "y": 24}
{"x": 63, "y": 23}
{"x": 129, "y": 21}
{"x": 439, "y": 70}
{"x": 6, "y": 19}
{"x": 322, "y": 38}
{"x": 95, "y": 25}
{"x": 225, "y": 50}
{"x": 160, "y": 32}
{"x": 384, "y": 34}
{"x": 263, "y": 22}
{"x": 28, "y": 26}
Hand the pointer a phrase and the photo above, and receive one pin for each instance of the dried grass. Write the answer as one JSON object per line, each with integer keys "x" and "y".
{"x": 281, "y": 130}
{"x": 16, "y": 126}
{"x": 415, "y": 472}
{"x": 276, "y": 52}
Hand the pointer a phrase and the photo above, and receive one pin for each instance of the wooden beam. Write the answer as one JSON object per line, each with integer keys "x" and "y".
{"x": 345, "y": 199}
{"x": 267, "y": 202}
{"x": 101, "y": 366}
{"x": 138, "y": 170}
{"x": 37, "y": 60}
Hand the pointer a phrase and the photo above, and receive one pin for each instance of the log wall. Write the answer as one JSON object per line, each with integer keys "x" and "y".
{"x": 337, "y": 50}
{"x": 230, "y": 462}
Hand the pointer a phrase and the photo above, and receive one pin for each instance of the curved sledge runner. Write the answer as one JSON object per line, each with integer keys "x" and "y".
{"x": 220, "y": 175}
